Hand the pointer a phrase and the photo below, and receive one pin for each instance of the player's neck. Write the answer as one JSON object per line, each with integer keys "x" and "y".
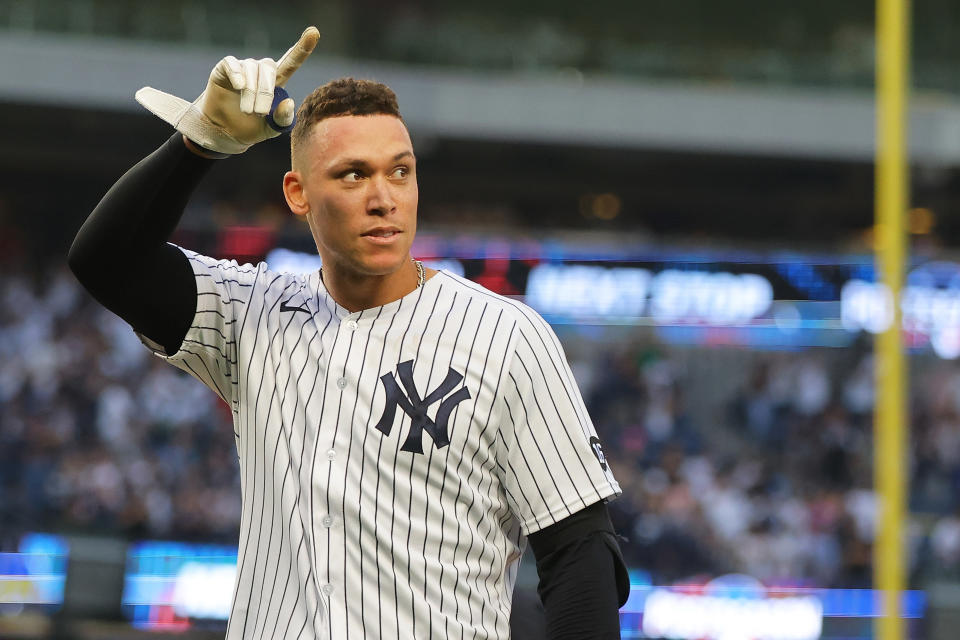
{"x": 355, "y": 291}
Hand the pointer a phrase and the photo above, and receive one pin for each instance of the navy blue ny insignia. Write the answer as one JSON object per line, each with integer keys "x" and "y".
{"x": 413, "y": 406}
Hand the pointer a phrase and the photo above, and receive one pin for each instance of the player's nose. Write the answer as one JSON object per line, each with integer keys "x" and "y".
{"x": 381, "y": 200}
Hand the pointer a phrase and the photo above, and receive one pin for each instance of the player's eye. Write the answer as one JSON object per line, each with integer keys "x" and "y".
{"x": 400, "y": 172}
{"x": 351, "y": 176}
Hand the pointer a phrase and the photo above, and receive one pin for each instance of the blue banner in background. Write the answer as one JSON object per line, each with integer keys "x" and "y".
{"x": 36, "y": 573}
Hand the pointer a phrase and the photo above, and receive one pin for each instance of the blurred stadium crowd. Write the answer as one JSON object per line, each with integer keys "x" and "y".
{"x": 98, "y": 435}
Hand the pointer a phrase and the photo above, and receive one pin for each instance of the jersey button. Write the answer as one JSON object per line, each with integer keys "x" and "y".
{"x": 327, "y": 521}
{"x": 341, "y": 383}
{"x": 331, "y": 454}
{"x": 327, "y": 589}
{"x": 352, "y": 325}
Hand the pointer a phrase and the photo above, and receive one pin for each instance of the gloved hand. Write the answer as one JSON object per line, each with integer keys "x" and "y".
{"x": 232, "y": 113}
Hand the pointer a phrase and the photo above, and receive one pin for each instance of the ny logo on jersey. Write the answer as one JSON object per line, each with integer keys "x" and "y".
{"x": 416, "y": 408}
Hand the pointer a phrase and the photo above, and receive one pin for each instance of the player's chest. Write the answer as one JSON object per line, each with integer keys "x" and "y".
{"x": 414, "y": 383}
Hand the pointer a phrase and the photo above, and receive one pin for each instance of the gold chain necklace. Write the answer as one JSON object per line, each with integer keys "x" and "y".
{"x": 420, "y": 272}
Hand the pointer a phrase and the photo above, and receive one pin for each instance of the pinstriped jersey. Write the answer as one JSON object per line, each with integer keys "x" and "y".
{"x": 392, "y": 460}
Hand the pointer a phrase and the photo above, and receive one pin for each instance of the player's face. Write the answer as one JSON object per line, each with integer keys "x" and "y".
{"x": 358, "y": 182}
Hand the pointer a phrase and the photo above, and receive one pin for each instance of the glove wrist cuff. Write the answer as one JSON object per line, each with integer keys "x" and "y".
{"x": 203, "y": 151}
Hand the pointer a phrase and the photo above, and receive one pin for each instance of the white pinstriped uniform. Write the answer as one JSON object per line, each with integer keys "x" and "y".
{"x": 346, "y": 532}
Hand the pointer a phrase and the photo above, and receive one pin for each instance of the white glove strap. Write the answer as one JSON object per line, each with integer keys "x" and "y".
{"x": 187, "y": 118}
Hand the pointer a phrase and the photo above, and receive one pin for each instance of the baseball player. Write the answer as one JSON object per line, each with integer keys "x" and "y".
{"x": 402, "y": 432}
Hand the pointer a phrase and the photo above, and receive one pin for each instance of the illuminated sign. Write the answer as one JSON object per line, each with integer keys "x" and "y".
{"x": 168, "y": 584}
{"x": 865, "y": 306}
{"x": 716, "y": 298}
{"x": 588, "y": 291}
{"x": 740, "y": 607}
{"x": 930, "y": 304}
{"x": 678, "y": 615}
{"x": 36, "y": 574}
{"x": 670, "y": 296}
{"x": 204, "y": 590}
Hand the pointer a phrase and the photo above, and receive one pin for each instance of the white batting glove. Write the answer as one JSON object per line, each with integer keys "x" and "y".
{"x": 234, "y": 111}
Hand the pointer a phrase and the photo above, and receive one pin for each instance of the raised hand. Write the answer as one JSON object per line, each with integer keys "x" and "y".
{"x": 241, "y": 105}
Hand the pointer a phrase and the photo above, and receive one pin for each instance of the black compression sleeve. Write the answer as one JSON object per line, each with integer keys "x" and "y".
{"x": 121, "y": 253}
{"x": 583, "y": 580}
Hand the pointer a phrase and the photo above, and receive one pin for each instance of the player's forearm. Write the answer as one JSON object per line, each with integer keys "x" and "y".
{"x": 578, "y": 588}
{"x": 121, "y": 253}
{"x": 583, "y": 581}
{"x": 140, "y": 211}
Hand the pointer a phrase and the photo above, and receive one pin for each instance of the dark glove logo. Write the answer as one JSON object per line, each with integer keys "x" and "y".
{"x": 598, "y": 451}
{"x": 416, "y": 408}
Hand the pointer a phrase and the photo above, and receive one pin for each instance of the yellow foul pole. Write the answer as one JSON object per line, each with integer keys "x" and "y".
{"x": 892, "y": 187}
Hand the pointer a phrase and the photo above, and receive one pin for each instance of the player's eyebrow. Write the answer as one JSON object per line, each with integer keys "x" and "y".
{"x": 364, "y": 164}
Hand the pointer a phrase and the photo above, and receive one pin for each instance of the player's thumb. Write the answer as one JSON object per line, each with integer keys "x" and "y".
{"x": 284, "y": 113}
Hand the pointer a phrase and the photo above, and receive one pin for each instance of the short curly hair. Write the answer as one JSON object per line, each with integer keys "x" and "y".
{"x": 341, "y": 97}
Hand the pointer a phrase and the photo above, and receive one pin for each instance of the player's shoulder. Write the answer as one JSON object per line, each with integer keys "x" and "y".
{"x": 522, "y": 315}
{"x": 230, "y": 270}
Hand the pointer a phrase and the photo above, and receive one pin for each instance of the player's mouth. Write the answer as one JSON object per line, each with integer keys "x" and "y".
{"x": 382, "y": 235}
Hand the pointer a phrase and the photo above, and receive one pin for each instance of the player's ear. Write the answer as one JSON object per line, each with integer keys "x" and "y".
{"x": 294, "y": 193}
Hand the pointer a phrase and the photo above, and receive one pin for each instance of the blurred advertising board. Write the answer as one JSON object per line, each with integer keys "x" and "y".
{"x": 739, "y": 607}
{"x": 176, "y": 586}
{"x": 35, "y": 575}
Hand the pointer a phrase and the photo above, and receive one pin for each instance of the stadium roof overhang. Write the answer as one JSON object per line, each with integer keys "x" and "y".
{"x": 526, "y": 108}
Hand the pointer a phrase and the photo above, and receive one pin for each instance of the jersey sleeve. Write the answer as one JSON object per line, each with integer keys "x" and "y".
{"x": 209, "y": 349}
{"x": 554, "y": 461}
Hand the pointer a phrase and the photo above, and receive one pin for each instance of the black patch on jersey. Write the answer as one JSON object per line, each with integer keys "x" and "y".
{"x": 598, "y": 451}
{"x": 416, "y": 408}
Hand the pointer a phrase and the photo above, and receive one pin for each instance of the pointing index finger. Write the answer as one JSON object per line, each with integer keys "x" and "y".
{"x": 295, "y": 55}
